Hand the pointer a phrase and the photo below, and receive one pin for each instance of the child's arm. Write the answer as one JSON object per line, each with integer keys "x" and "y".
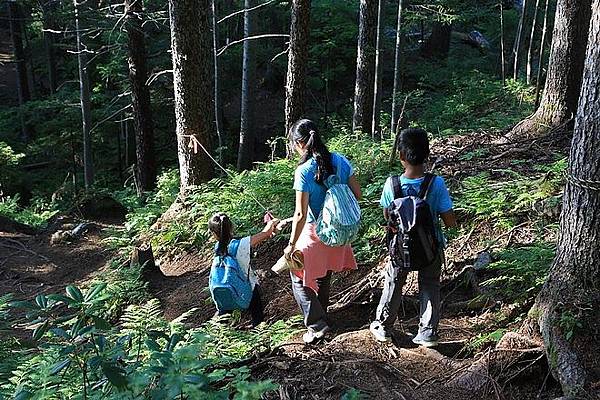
{"x": 265, "y": 234}
{"x": 449, "y": 219}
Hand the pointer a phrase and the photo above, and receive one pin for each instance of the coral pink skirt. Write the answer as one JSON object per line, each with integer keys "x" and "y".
{"x": 320, "y": 258}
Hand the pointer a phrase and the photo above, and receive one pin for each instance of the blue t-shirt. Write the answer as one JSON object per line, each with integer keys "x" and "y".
{"x": 438, "y": 197}
{"x": 304, "y": 181}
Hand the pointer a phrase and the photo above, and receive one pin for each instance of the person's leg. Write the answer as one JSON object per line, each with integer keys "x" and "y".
{"x": 256, "y": 307}
{"x": 391, "y": 298}
{"x": 429, "y": 300}
{"x": 307, "y": 299}
{"x": 324, "y": 284}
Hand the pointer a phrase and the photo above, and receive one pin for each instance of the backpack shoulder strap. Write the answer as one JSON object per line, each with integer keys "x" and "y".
{"x": 397, "y": 187}
{"x": 232, "y": 247}
{"x": 426, "y": 185}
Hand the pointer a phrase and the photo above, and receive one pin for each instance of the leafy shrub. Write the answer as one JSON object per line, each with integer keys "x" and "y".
{"x": 79, "y": 353}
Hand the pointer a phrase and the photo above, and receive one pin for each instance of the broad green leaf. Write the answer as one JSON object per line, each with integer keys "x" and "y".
{"x": 115, "y": 375}
{"x": 74, "y": 293}
{"x": 60, "y": 332}
{"x": 59, "y": 366}
{"x": 101, "y": 323}
{"x": 95, "y": 291}
{"x": 40, "y": 330}
{"x": 41, "y": 301}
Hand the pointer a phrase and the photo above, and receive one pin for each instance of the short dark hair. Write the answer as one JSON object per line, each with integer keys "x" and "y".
{"x": 413, "y": 145}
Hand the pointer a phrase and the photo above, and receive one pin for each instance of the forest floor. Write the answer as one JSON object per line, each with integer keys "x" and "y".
{"x": 348, "y": 357}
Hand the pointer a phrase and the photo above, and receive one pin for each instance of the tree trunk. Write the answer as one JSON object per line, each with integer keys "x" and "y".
{"x": 191, "y": 49}
{"x": 531, "y": 37}
{"x": 246, "y": 145}
{"x": 538, "y": 80}
{"x": 517, "y": 44}
{"x": 297, "y": 62}
{"x": 375, "y": 126}
{"x": 140, "y": 97}
{"x": 563, "y": 81}
{"x": 216, "y": 86}
{"x": 397, "y": 70}
{"x": 574, "y": 278}
{"x": 502, "y": 61}
{"x": 48, "y": 22}
{"x": 84, "y": 97}
{"x": 438, "y": 44}
{"x": 14, "y": 18}
{"x": 365, "y": 67}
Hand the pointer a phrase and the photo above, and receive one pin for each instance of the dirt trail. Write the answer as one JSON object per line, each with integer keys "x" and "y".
{"x": 29, "y": 265}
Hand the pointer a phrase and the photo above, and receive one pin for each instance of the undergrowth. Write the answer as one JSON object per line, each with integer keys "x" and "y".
{"x": 78, "y": 353}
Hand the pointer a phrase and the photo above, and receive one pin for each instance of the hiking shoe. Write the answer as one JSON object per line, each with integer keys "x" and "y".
{"x": 425, "y": 340}
{"x": 313, "y": 335}
{"x": 379, "y": 333}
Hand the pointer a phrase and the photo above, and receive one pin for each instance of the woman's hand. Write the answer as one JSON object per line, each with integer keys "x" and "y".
{"x": 271, "y": 227}
{"x": 288, "y": 251}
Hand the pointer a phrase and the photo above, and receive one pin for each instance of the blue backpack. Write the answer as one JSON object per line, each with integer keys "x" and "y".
{"x": 339, "y": 220}
{"x": 229, "y": 286}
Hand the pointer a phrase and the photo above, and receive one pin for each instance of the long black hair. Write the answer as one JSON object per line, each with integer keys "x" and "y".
{"x": 305, "y": 131}
{"x": 221, "y": 226}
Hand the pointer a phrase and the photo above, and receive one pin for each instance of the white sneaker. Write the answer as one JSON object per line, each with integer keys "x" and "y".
{"x": 312, "y": 335}
{"x": 379, "y": 333}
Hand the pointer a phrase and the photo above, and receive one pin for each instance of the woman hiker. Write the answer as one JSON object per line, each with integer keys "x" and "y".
{"x": 311, "y": 285}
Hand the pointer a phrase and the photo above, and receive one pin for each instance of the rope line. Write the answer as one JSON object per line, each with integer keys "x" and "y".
{"x": 196, "y": 143}
{"x": 584, "y": 183}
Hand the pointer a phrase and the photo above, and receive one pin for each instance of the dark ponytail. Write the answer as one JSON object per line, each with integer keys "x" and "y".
{"x": 221, "y": 226}
{"x": 305, "y": 131}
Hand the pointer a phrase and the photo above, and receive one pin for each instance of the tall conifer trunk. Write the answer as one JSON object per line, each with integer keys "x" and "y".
{"x": 191, "y": 48}
{"x": 295, "y": 86}
{"x": 140, "y": 97}
{"x": 365, "y": 67}
{"x": 565, "y": 67}
{"x": 246, "y": 145}
{"x": 572, "y": 287}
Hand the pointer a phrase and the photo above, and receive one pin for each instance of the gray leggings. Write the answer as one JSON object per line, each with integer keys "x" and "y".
{"x": 313, "y": 305}
{"x": 429, "y": 297}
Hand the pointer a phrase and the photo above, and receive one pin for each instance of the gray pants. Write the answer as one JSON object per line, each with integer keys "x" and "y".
{"x": 313, "y": 306}
{"x": 429, "y": 297}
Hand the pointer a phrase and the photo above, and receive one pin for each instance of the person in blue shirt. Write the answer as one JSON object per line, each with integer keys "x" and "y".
{"x": 311, "y": 285}
{"x": 412, "y": 147}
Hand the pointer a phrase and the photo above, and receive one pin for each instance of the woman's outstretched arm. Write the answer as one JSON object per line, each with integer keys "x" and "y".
{"x": 355, "y": 187}
{"x": 299, "y": 220}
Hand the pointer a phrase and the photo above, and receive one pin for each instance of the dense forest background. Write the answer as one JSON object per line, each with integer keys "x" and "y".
{"x": 124, "y": 126}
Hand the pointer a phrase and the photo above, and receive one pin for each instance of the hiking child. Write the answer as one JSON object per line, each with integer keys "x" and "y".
{"x": 311, "y": 285}
{"x": 412, "y": 147}
{"x": 235, "y": 254}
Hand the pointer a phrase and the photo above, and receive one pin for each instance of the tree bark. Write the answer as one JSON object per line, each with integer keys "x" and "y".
{"x": 438, "y": 44}
{"x": 246, "y": 145}
{"x": 191, "y": 49}
{"x": 216, "y": 86}
{"x": 538, "y": 80}
{"x": 365, "y": 67}
{"x": 531, "y": 38}
{"x": 565, "y": 67}
{"x": 517, "y": 44}
{"x": 397, "y": 70}
{"x": 84, "y": 97}
{"x": 297, "y": 62}
{"x": 23, "y": 94}
{"x": 140, "y": 97}
{"x": 574, "y": 278}
{"x": 375, "y": 126}
{"x": 502, "y": 61}
{"x": 48, "y": 22}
